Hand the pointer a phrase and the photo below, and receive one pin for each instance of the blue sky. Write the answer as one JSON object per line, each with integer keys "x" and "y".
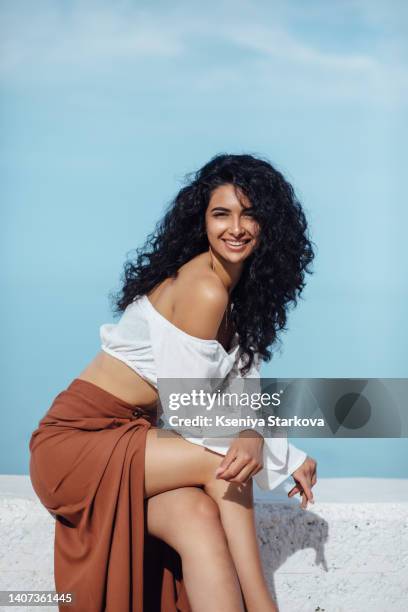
{"x": 106, "y": 105}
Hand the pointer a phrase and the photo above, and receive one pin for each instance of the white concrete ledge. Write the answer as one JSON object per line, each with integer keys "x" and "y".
{"x": 336, "y": 556}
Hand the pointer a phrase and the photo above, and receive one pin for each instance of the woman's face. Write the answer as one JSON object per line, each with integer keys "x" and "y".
{"x": 232, "y": 231}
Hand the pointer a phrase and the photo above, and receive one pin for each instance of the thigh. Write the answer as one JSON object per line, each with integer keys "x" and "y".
{"x": 172, "y": 462}
{"x": 179, "y": 516}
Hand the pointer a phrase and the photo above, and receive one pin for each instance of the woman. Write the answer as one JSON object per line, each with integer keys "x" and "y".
{"x": 155, "y": 522}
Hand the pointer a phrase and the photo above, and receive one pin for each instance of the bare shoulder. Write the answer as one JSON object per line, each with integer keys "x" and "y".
{"x": 199, "y": 300}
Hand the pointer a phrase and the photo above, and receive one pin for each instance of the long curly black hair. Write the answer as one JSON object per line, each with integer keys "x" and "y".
{"x": 273, "y": 275}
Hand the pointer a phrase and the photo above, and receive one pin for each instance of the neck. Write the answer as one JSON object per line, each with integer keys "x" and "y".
{"x": 229, "y": 273}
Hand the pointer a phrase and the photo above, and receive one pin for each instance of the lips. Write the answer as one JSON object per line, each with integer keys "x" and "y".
{"x": 236, "y": 245}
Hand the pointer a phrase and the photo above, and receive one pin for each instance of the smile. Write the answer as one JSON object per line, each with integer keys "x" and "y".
{"x": 236, "y": 244}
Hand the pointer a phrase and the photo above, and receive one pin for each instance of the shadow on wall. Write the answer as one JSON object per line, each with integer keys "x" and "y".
{"x": 284, "y": 530}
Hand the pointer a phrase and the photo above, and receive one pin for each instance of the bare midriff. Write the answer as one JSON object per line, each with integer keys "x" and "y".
{"x": 117, "y": 377}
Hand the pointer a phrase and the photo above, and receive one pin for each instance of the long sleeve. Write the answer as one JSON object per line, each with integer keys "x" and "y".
{"x": 184, "y": 362}
{"x": 280, "y": 457}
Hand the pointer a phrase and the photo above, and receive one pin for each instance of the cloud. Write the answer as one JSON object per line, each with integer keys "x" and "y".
{"x": 48, "y": 41}
{"x": 84, "y": 38}
{"x": 277, "y": 43}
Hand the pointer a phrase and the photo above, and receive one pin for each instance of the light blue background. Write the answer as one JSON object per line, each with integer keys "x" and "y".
{"x": 104, "y": 107}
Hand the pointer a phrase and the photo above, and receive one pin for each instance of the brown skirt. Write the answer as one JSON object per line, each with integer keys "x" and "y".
{"x": 87, "y": 467}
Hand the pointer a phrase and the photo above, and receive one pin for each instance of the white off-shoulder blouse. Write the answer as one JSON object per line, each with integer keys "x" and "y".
{"x": 157, "y": 350}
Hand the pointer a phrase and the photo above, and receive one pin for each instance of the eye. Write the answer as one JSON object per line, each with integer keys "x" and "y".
{"x": 219, "y": 214}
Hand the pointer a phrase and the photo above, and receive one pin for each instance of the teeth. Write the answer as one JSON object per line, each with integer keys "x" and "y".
{"x": 236, "y": 243}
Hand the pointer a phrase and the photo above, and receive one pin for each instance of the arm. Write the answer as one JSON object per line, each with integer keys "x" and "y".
{"x": 185, "y": 357}
{"x": 280, "y": 459}
{"x": 203, "y": 320}
{"x": 199, "y": 314}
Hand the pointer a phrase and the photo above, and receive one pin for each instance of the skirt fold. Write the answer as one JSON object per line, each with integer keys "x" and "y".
{"x": 87, "y": 467}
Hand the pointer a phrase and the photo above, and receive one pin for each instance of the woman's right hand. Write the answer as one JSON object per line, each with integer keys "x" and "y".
{"x": 244, "y": 458}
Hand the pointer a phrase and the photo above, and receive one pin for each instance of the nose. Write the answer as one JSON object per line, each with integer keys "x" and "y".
{"x": 236, "y": 229}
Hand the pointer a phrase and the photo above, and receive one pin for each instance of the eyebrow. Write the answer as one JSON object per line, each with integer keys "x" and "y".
{"x": 228, "y": 209}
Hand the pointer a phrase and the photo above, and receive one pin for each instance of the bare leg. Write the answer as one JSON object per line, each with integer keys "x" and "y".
{"x": 172, "y": 462}
{"x": 236, "y": 507}
{"x": 188, "y": 520}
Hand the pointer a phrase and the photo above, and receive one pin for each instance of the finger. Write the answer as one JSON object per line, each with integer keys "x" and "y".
{"x": 314, "y": 479}
{"x": 234, "y": 469}
{"x": 293, "y": 491}
{"x": 303, "y": 503}
{"x": 229, "y": 458}
{"x": 297, "y": 488}
{"x": 245, "y": 474}
{"x": 305, "y": 482}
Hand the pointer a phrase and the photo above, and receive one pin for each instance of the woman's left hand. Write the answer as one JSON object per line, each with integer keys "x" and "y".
{"x": 244, "y": 458}
{"x": 305, "y": 478}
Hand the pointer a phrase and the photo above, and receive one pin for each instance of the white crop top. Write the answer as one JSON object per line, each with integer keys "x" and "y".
{"x": 156, "y": 349}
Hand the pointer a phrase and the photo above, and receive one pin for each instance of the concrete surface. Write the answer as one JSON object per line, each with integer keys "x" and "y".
{"x": 336, "y": 556}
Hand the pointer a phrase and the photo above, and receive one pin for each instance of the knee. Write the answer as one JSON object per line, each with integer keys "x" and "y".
{"x": 202, "y": 528}
{"x": 204, "y": 510}
{"x": 201, "y": 516}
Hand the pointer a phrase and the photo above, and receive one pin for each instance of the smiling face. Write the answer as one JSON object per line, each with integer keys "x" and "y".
{"x": 231, "y": 227}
